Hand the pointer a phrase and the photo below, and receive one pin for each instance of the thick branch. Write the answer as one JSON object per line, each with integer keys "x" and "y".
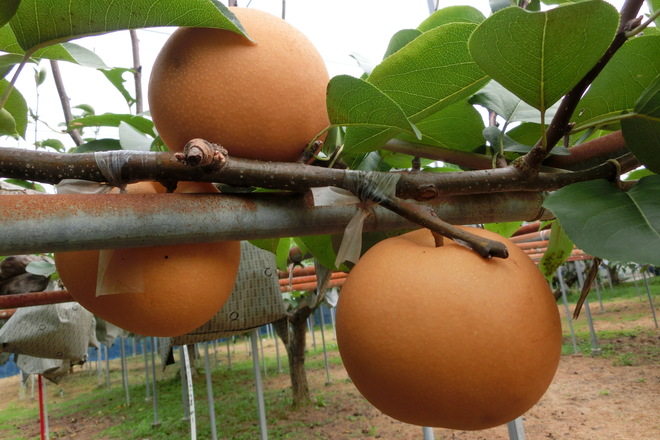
{"x": 47, "y": 167}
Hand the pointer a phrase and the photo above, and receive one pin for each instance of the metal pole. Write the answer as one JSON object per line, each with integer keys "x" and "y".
{"x": 124, "y": 370}
{"x": 648, "y": 292}
{"x": 600, "y": 298}
{"x": 516, "y": 430}
{"x": 154, "y": 387}
{"x": 310, "y": 324}
{"x": 184, "y": 386}
{"x": 325, "y": 350}
{"x": 99, "y": 367}
{"x": 191, "y": 396}
{"x": 595, "y": 349}
{"x": 569, "y": 317}
{"x": 228, "y": 355}
{"x": 261, "y": 406}
{"x": 107, "y": 366}
{"x": 333, "y": 318}
{"x": 277, "y": 351}
{"x": 147, "y": 382}
{"x": 261, "y": 346}
{"x": 68, "y": 222}
{"x": 209, "y": 392}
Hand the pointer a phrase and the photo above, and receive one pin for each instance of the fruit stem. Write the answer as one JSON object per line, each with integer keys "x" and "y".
{"x": 438, "y": 238}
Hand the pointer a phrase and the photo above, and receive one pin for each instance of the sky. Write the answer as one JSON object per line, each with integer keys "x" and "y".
{"x": 338, "y": 28}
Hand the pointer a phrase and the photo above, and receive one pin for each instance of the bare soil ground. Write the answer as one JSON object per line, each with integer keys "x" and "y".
{"x": 614, "y": 395}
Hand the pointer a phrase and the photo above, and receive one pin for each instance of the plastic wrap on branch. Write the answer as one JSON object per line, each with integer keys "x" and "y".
{"x": 110, "y": 164}
{"x": 364, "y": 190}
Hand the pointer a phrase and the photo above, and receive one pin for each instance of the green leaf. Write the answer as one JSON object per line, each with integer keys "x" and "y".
{"x": 14, "y": 116}
{"x": 630, "y": 71}
{"x": 559, "y": 249}
{"x": 430, "y": 73}
{"x": 282, "y": 253}
{"x": 508, "y": 106}
{"x": 132, "y": 139}
{"x": 457, "y": 127}
{"x": 267, "y": 244}
{"x": 540, "y": 56}
{"x": 140, "y": 123}
{"x": 116, "y": 77}
{"x": 504, "y": 142}
{"x": 8, "y": 10}
{"x": 41, "y": 267}
{"x": 607, "y": 222}
{"x": 55, "y": 144}
{"x": 400, "y": 39}
{"x": 42, "y": 22}
{"x": 654, "y": 6}
{"x": 26, "y": 184}
{"x": 452, "y": 14}
{"x": 505, "y": 229}
{"x": 321, "y": 248}
{"x": 69, "y": 52}
{"x": 353, "y": 101}
{"x": 98, "y": 145}
{"x": 642, "y": 133}
{"x": 7, "y": 124}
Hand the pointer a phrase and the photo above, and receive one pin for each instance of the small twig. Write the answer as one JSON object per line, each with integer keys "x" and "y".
{"x": 422, "y": 216}
{"x": 586, "y": 287}
{"x": 137, "y": 71}
{"x": 64, "y": 100}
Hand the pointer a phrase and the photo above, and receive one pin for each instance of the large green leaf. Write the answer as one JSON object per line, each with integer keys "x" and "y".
{"x": 353, "y": 101}
{"x": 457, "y": 127}
{"x": 497, "y": 98}
{"x": 540, "y": 56}
{"x": 140, "y": 123}
{"x": 8, "y": 10}
{"x": 626, "y": 76}
{"x": 14, "y": 116}
{"x": 430, "y": 73}
{"x": 41, "y": 22}
{"x": 607, "y": 222}
{"x": 70, "y": 52}
{"x": 642, "y": 133}
{"x": 400, "y": 39}
{"x": 451, "y": 14}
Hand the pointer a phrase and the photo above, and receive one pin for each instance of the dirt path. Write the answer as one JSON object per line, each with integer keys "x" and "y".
{"x": 614, "y": 396}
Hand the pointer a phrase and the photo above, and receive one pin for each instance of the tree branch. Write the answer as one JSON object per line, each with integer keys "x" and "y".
{"x": 64, "y": 100}
{"x": 137, "y": 71}
{"x": 559, "y": 125}
{"x": 133, "y": 166}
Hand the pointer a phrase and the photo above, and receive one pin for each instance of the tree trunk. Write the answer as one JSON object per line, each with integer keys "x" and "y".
{"x": 293, "y": 332}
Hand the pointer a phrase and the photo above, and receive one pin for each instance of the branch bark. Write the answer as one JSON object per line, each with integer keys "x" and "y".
{"x": 47, "y": 167}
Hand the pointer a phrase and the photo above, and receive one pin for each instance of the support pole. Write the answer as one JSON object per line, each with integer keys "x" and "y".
{"x": 569, "y": 316}
{"x": 209, "y": 392}
{"x": 516, "y": 430}
{"x": 154, "y": 386}
{"x": 648, "y": 292}
{"x": 261, "y": 406}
